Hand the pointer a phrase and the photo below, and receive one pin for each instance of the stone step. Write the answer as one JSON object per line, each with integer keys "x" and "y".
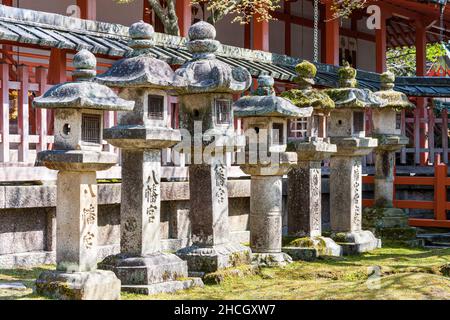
{"x": 164, "y": 287}
{"x": 440, "y": 240}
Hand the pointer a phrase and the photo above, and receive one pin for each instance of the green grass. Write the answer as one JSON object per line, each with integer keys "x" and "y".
{"x": 406, "y": 273}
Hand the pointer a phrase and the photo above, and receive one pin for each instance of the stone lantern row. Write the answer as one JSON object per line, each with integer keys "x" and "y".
{"x": 205, "y": 87}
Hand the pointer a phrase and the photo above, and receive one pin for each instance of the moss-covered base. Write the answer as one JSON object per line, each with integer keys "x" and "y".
{"x": 92, "y": 285}
{"x": 390, "y": 224}
{"x": 308, "y": 249}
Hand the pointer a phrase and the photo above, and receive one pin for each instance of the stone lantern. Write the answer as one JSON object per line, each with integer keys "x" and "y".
{"x": 205, "y": 87}
{"x": 265, "y": 111}
{"x": 388, "y": 222}
{"x": 78, "y": 154}
{"x": 304, "y": 200}
{"x": 346, "y": 129}
{"x": 142, "y": 134}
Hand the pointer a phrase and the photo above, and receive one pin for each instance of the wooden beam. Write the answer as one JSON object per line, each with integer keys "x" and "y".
{"x": 88, "y": 9}
{"x": 184, "y": 14}
{"x": 332, "y": 36}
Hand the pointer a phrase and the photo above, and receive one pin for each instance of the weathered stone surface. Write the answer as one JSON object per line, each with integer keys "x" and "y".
{"x": 272, "y": 259}
{"x": 209, "y": 204}
{"x": 215, "y": 257}
{"x": 164, "y": 287}
{"x": 345, "y": 194}
{"x": 140, "y": 69}
{"x": 77, "y": 160}
{"x": 142, "y": 137}
{"x": 76, "y": 212}
{"x": 141, "y": 202}
{"x": 348, "y": 96}
{"x": 93, "y": 285}
{"x": 356, "y": 242}
{"x": 265, "y": 214}
{"x": 18, "y": 286}
{"x": 308, "y": 248}
{"x": 304, "y": 199}
{"x": 29, "y": 196}
{"x": 146, "y": 270}
{"x": 204, "y": 73}
{"x": 82, "y": 93}
{"x": 26, "y": 259}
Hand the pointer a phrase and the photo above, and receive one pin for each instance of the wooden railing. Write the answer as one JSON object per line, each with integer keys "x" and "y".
{"x": 440, "y": 181}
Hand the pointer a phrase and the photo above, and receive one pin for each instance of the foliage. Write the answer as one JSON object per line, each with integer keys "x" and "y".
{"x": 344, "y": 8}
{"x": 402, "y": 60}
{"x": 243, "y": 10}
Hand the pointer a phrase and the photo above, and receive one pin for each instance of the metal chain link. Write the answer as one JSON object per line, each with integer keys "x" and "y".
{"x": 316, "y": 31}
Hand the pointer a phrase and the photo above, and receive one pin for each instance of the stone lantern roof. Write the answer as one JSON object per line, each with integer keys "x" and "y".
{"x": 140, "y": 69}
{"x": 305, "y": 95}
{"x": 82, "y": 93}
{"x": 348, "y": 95}
{"x": 204, "y": 73}
{"x": 264, "y": 103}
{"x": 394, "y": 99}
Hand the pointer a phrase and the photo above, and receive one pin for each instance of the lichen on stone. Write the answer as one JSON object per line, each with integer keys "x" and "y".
{"x": 393, "y": 99}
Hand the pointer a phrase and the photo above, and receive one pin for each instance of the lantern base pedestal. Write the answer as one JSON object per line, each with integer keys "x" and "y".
{"x": 150, "y": 274}
{"x": 390, "y": 224}
{"x": 356, "y": 242}
{"x": 213, "y": 258}
{"x": 311, "y": 248}
{"x": 275, "y": 259}
{"x": 89, "y": 285}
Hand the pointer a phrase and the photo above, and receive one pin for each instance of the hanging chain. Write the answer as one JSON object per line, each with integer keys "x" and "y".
{"x": 316, "y": 31}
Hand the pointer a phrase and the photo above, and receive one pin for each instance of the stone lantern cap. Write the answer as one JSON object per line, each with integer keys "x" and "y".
{"x": 348, "y": 95}
{"x": 204, "y": 73}
{"x": 306, "y": 96}
{"x": 140, "y": 69}
{"x": 394, "y": 99}
{"x": 82, "y": 93}
{"x": 264, "y": 103}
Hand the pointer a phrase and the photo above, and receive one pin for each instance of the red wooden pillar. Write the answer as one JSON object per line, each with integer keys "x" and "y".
{"x": 4, "y": 112}
{"x": 184, "y": 14}
{"x": 331, "y": 36}
{"x": 421, "y": 47}
{"x": 440, "y": 190}
{"x": 56, "y": 75}
{"x": 260, "y": 34}
{"x": 381, "y": 43}
{"x": 7, "y": 2}
{"x": 88, "y": 9}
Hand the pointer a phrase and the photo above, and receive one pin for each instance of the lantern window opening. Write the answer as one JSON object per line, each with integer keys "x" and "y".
{"x": 277, "y": 133}
{"x": 90, "y": 128}
{"x": 398, "y": 121}
{"x": 155, "y": 105}
{"x": 222, "y": 111}
{"x": 358, "y": 122}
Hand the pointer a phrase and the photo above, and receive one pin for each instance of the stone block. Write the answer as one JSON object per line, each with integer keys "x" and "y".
{"x": 92, "y": 285}
{"x": 164, "y": 287}
{"x": 210, "y": 259}
{"x": 147, "y": 270}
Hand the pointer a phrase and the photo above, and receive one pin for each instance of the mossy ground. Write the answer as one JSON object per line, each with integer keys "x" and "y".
{"x": 406, "y": 273}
